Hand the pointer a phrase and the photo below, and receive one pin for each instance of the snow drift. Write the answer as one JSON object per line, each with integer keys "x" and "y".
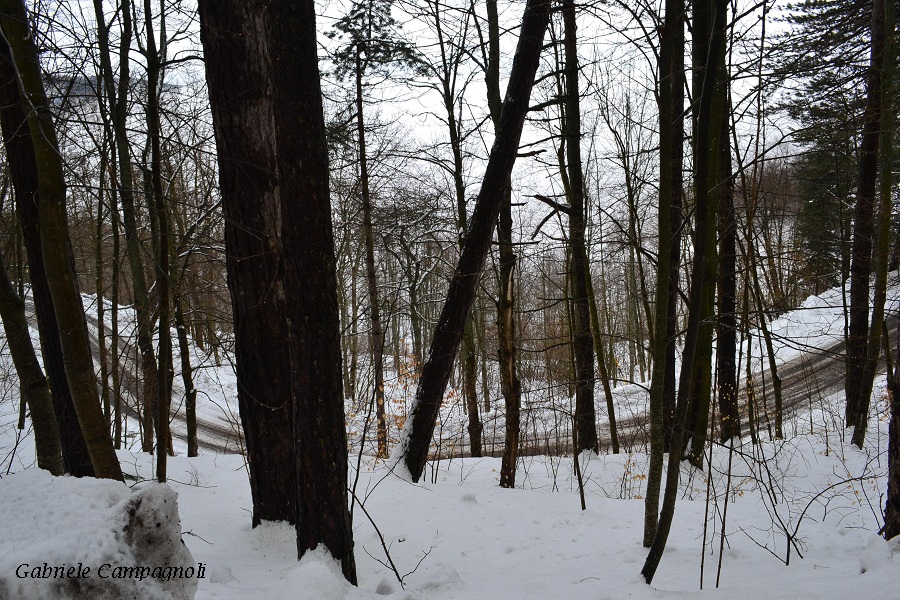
{"x": 68, "y": 538}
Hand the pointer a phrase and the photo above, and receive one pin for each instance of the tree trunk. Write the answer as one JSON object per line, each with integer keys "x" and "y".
{"x": 892, "y": 501}
{"x": 585, "y": 414}
{"x": 187, "y": 377}
{"x": 710, "y": 87}
{"x": 510, "y": 386}
{"x": 726, "y": 325}
{"x": 602, "y": 367}
{"x": 55, "y": 243}
{"x": 708, "y": 118}
{"x": 662, "y": 379}
{"x": 861, "y": 252}
{"x": 117, "y": 100}
{"x": 886, "y": 144}
{"x": 376, "y": 335}
{"x": 319, "y": 431}
{"x": 163, "y": 386}
{"x": 263, "y": 74}
{"x": 102, "y": 350}
{"x": 461, "y": 292}
{"x": 23, "y": 172}
{"x": 32, "y": 383}
{"x": 114, "y": 322}
{"x": 240, "y": 79}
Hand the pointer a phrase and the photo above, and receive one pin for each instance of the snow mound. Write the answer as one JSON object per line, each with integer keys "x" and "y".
{"x": 91, "y": 538}
{"x": 317, "y": 576}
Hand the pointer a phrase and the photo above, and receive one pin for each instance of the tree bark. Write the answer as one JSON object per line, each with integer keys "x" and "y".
{"x": 239, "y": 73}
{"x": 266, "y": 97}
{"x": 461, "y": 292}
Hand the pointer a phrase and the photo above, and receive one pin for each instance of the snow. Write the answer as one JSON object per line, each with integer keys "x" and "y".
{"x": 67, "y": 538}
{"x": 800, "y": 515}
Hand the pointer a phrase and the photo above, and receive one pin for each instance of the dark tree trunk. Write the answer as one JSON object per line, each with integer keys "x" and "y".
{"x": 23, "y": 171}
{"x": 884, "y": 52}
{"x": 710, "y": 86}
{"x": 55, "y": 244}
{"x": 376, "y": 334}
{"x": 164, "y": 382}
{"x": 510, "y": 386}
{"x": 662, "y": 382}
{"x": 449, "y": 68}
{"x": 726, "y": 325}
{"x": 708, "y": 116}
{"x": 461, "y": 292}
{"x": 240, "y": 79}
{"x": 263, "y": 78}
{"x": 187, "y": 377}
{"x": 863, "y": 230}
{"x": 117, "y": 101}
{"x": 32, "y": 383}
{"x": 585, "y": 414}
{"x": 319, "y": 431}
{"x": 892, "y": 502}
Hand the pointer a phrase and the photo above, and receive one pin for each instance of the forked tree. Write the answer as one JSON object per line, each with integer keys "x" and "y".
{"x": 266, "y": 99}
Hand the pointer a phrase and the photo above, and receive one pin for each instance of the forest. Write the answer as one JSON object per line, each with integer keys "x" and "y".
{"x": 643, "y": 251}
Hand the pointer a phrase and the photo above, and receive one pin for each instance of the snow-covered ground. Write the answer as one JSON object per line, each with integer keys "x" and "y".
{"x": 812, "y": 501}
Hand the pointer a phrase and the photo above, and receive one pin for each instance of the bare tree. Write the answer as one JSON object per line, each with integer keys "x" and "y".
{"x": 449, "y": 329}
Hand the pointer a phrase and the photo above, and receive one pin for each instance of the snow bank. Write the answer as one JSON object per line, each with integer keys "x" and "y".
{"x": 67, "y": 538}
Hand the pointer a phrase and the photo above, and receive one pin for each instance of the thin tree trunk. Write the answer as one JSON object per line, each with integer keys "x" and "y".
{"x": 882, "y": 250}
{"x": 461, "y": 292}
{"x": 726, "y": 325}
{"x": 710, "y": 77}
{"x": 602, "y": 368}
{"x": 892, "y": 501}
{"x": 187, "y": 377}
{"x": 662, "y": 377}
{"x": 117, "y": 100}
{"x": 704, "y": 264}
{"x": 32, "y": 383}
{"x": 99, "y": 289}
{"x": 163, "y": 386}
{"x": 114, "y": 322}
{"x": 585, "y": 414}
{"x": 861, "y": 253}
{"x": 510, "y": 385}
{"x": 376, "y": 335}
